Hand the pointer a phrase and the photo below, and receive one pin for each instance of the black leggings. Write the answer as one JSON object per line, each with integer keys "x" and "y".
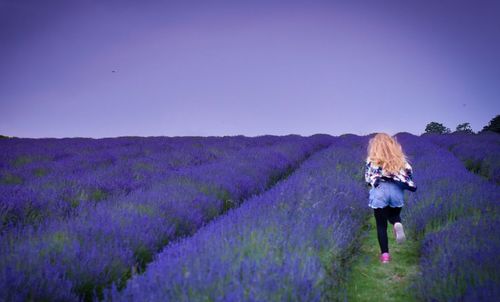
{"x": 381, "y": 217}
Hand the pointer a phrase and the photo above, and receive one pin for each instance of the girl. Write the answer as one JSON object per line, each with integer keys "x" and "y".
{"x": 388, "y": 173}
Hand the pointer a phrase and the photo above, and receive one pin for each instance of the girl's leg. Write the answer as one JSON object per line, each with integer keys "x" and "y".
{"x": 395, "y": 219}
{"x": 393, "y": 214}
{"x": 381, "y": 219}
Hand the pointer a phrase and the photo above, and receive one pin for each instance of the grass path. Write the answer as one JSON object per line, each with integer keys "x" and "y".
{"x": 370, "y": 280}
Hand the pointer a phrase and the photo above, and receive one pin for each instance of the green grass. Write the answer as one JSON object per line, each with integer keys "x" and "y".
{"x": 11, "y": 179}
{"x": 370, "y": 280}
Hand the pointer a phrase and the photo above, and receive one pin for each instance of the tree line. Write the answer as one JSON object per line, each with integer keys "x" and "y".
{"x": 438, "y": 128}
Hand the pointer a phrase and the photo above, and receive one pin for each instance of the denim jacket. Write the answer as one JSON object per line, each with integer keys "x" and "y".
{"x": 374, "y": 174}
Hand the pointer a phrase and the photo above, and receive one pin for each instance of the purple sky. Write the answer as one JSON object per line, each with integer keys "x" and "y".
{"x": 263, "y": 67}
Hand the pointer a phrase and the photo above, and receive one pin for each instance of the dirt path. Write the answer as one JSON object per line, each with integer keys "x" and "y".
{"x": 369, "y": 280}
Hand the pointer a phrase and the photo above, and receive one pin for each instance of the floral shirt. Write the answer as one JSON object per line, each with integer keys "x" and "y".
{"x": 374, "y": 174}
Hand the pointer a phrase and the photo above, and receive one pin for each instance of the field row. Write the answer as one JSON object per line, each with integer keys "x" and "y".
{"x": 479, "y": 152}
{"x": 78, "y": 256}
{"x": 53, "y": 178}
{"x": 288, "y": 244}
{"x": 288, "y": 240}
{"x": 453, "y": 215}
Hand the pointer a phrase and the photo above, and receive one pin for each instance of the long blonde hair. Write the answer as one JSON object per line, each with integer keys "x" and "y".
{"x": 386, "y": 152}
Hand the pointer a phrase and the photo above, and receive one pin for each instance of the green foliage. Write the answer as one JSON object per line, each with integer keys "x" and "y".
{"x": 98, "y": 195}
{"x": 11, "y": 179}
{"x": 22, "y": 160}
{"x": 493, "y": 125}
{"x": 480, "y": 167}
{"x": 3, "y": 136}
{"x": 39, "y": 172}
{"x": 473, "y": 165}
{"x": 227, "y": 204}
{"x": 57, "y": 241}
{"x": 438, "y": 128}
{"x": 278, "y": 176}
{"x": 143, "y": 256}
{"x": 464, "y": 128}
{"x": 370, "y": 280}
{"x": 95, "y": 195}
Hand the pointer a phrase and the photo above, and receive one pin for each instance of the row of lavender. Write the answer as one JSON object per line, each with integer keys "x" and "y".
{"x": 479, "y": 152}
{"x": 454, "y": 214}
{"x": 52, "y": 178}
{"x": 290, "y": 243}
{"x": 77, "y": 257}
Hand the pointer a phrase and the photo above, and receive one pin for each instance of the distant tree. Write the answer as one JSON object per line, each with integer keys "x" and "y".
{"x": 434, "y": 127}
{"x": 3, "y": 136}
{"x": 493, "y": 125}
{"x": 464, "y": 128}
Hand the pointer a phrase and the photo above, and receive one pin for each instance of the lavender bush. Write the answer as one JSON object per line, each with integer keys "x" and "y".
{"x": 79, "y": 256}
{"x": 290, "y": 243}
{"x": 460, "y": 261}
{"x": 51, "y": 178}
{"x": 479, "y": 152}
{"x": 453, "y": 213}
{"x": 81, "y": 217}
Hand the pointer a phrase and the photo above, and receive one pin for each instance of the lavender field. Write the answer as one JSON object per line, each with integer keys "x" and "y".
{"x": 235, "y": 218}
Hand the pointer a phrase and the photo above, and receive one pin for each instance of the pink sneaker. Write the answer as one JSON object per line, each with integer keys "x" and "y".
{"x": 399, "y": 233}
{"x": 385, "y": 258}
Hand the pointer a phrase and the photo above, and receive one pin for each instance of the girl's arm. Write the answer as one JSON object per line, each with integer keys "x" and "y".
{"x": 372, "y": 174}
{"x": 409, "y": 178}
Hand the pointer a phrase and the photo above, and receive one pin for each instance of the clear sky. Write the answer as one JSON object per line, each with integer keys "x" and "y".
{"x": 112, "y": 68}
